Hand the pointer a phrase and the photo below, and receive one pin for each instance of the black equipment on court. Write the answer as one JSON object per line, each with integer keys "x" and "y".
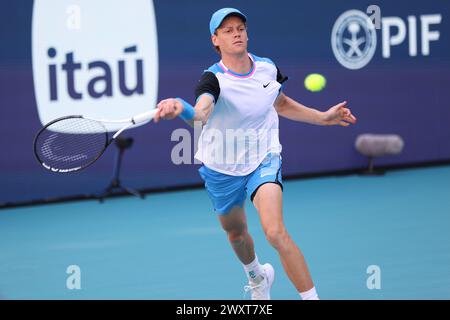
{"x": 122, "y": 143}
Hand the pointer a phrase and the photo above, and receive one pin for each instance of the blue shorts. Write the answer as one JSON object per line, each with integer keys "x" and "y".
{"x": 227, "y": 191}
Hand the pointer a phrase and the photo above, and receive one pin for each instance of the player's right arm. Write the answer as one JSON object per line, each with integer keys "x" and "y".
{"x": 207, "y": 93}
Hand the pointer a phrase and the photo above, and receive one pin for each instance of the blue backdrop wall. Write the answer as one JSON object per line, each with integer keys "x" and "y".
{"x": 402, "y": 94}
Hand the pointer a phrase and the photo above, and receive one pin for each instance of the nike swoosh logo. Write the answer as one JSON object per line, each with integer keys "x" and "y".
{"x": 265, "y": 85}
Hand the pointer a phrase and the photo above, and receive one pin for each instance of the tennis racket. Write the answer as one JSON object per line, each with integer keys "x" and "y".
{"x": 73, "y": 143}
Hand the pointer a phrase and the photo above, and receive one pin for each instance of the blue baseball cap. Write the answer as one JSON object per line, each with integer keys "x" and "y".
{"x": 219, "y": 15}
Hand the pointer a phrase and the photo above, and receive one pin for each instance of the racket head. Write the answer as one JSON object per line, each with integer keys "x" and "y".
{"x": 70, "y": 143}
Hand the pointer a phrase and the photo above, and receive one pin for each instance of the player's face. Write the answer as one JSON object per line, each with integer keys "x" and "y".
{"x": 231, "y": 36}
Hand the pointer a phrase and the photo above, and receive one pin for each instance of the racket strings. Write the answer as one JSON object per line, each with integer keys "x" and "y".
{"x": 71, "y": 143}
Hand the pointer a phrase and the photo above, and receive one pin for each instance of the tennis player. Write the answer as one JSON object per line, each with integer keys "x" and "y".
{"x": 242, "y": 93}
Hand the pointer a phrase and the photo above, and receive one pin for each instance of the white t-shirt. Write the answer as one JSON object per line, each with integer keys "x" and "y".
{"x": 243, "y": 126}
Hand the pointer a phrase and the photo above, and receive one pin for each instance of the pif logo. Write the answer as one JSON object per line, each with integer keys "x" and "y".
{"x": 351, "y": 50}
{"x": 97, "y": 58}
{"x": 354, "y": 37}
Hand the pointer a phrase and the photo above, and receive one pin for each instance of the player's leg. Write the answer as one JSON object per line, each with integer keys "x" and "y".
{"x": 268, "y": 202}
{"x": 234, "y": 224}
{"x": 265, "y": 187}
{"x": 229, "y": 208}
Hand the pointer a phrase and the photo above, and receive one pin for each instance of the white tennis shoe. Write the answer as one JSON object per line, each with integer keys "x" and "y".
{"x": 261, "y": 290}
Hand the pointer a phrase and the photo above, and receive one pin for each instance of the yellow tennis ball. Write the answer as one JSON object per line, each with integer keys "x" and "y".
{"x": 315, "y": 82}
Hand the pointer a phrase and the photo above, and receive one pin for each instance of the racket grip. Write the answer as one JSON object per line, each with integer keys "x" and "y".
{"x": 143, "y": 117}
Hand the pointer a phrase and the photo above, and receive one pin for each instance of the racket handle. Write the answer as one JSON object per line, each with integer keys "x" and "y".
{"x": 143, "y": 117}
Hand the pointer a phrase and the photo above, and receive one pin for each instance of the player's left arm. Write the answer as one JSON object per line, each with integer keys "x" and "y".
{"x": 339, "y": 114}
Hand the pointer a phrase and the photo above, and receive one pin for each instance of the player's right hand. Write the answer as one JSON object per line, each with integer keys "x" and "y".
{"x": 168, "y": 109}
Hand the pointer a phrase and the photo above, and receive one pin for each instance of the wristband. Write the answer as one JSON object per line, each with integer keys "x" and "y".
{"x": 188, "y": 111}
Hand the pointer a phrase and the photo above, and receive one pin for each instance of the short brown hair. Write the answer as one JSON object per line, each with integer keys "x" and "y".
{"x": 217, "y": 48}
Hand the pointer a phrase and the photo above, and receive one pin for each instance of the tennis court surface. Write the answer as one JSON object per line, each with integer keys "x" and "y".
{"x": 171, "y": 246}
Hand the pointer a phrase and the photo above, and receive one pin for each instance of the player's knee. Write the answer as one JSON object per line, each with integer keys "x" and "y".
{"x": 277, "y": 237}
{"x": 237, "y": 235}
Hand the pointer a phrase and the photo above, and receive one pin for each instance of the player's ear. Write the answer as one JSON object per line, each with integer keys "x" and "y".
{"x": 214, "y": 40}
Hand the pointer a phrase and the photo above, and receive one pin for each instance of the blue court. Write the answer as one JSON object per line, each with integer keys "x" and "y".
{"x": 171, "y": 246}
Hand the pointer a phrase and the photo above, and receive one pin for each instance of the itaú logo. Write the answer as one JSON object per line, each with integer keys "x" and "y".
{"x": 101, "y": 84}
{"x": 354, "y": 37}
{"x": 96, "y": 58}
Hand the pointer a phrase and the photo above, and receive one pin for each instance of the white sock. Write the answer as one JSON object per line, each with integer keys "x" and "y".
{"x": 311, "y": 294}
{"x": 253, "y": 270}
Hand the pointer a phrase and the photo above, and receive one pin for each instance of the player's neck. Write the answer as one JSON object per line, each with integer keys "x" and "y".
{"x": 238, "y": 63}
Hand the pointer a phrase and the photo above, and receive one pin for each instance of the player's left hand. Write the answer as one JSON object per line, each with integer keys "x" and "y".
{"x": 338, "y": 115}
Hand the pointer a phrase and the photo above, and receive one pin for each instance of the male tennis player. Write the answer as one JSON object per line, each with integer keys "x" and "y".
{"x": 242, "y": 93}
